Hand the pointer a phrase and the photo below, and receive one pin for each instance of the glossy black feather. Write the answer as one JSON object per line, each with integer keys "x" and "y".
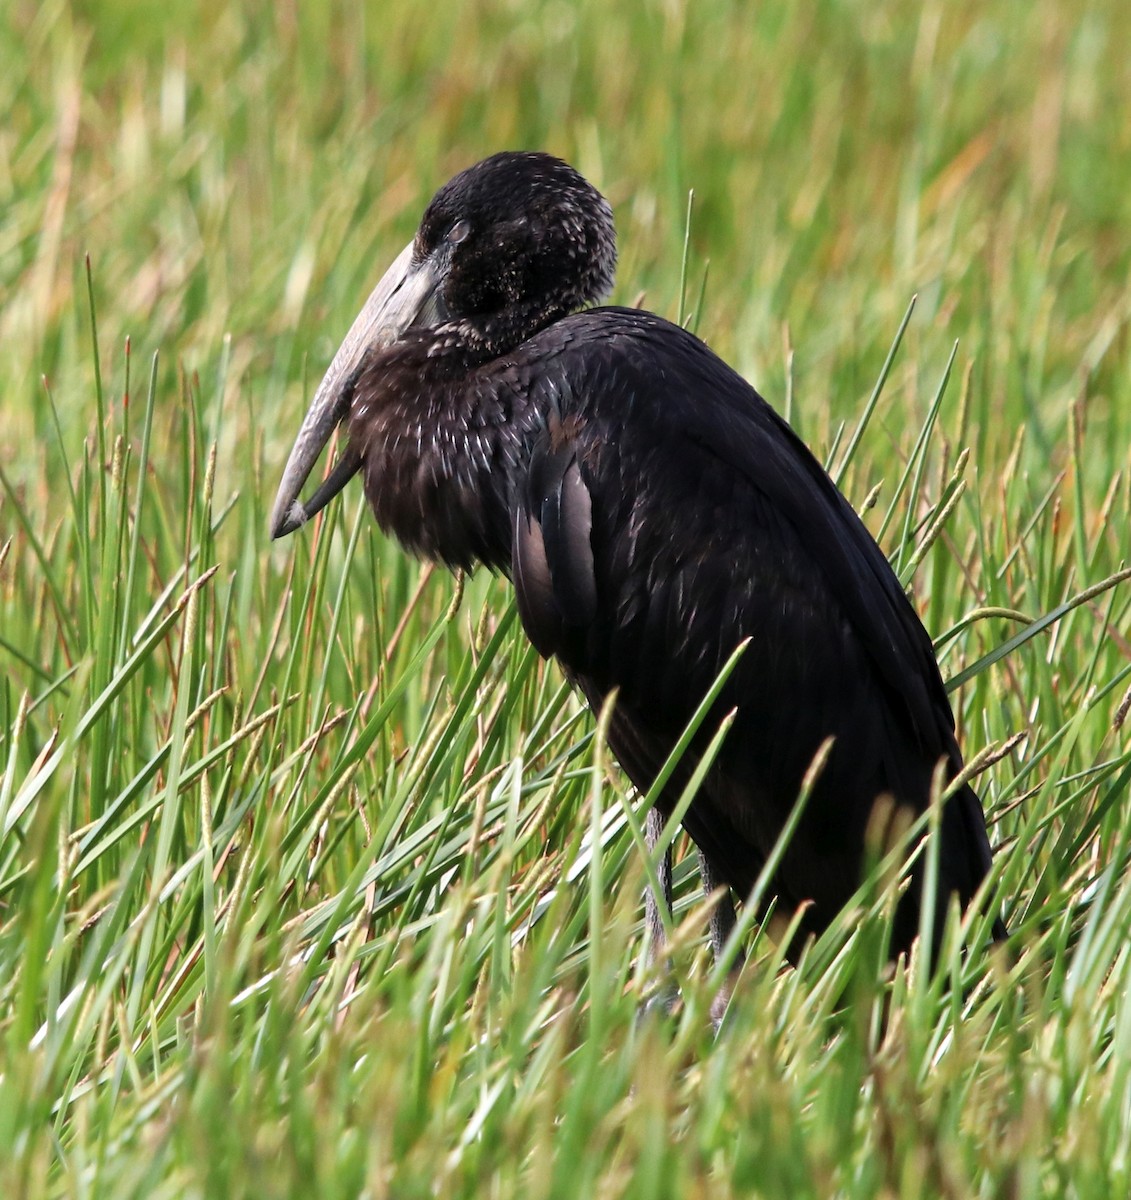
{"x": 712, "y": 523}
{"x": 653, "y": 511}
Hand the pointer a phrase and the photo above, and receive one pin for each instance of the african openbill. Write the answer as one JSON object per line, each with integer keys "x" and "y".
{"x": 652, "y": 511}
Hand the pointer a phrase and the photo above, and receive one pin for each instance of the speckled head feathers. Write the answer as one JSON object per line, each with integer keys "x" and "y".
{"x": 528, "y": 240}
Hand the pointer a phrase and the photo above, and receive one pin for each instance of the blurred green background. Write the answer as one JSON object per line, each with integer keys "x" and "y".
{"x": 248, "y": 169}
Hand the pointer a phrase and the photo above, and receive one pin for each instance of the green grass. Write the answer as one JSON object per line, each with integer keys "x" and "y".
{"x": 314, "y": 880}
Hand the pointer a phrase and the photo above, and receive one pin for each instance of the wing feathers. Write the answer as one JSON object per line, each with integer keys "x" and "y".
{"x": 666, "y": 514}
{"x": 552, "y": 554}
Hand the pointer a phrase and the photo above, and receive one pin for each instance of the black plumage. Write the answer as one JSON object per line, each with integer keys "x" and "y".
{"x": 653, "y": 511}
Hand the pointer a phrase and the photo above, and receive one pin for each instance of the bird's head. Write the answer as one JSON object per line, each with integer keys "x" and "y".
{"x": 504, "y": 248}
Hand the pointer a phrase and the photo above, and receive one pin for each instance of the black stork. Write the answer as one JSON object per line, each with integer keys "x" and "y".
{"x": 652, "y": 511}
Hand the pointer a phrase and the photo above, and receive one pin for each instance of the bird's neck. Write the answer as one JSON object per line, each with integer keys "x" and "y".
{"x": 441, "y": 443}
{"x": 473, "y": 341}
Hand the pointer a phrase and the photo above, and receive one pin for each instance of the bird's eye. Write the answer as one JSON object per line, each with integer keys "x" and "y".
{"x": 458, "y": 232}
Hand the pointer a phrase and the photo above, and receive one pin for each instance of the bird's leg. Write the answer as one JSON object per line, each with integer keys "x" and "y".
{"x": 722, "y": 920}
{"x": 657, "y": 940}
{"x": 722, "y": 923}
